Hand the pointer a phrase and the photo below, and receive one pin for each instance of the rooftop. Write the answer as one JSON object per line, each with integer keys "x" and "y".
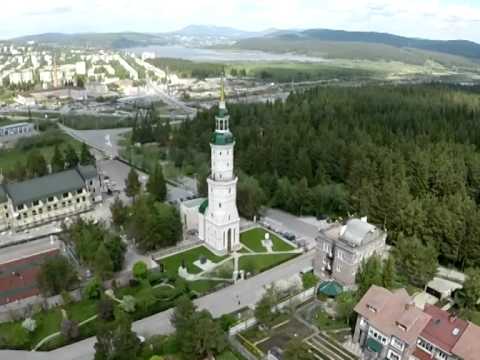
{"x": 468, "y": 346}
{"x": 219, "y": 138}
{"x": 50, "y": 185}
{"x": 392, "y": 313}
{"x": 355, "y": 232}
{"x": 193, "y": 203}
{"x": 443, "y": 329}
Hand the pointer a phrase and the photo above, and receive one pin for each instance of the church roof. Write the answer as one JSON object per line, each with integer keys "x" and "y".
{"x": 221, "y": 138}
{"x": 203, "y": 207}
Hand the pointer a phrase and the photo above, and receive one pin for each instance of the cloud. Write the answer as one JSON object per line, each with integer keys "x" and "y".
{"x": 438, "y": 19}
{"x": 54, "y": 11}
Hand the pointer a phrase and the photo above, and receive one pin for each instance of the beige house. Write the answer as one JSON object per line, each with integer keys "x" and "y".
{"x": 49, "y": 198}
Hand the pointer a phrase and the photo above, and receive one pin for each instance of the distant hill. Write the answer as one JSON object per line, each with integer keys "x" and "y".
{"x": 331, "y": 43}
{"x": 220, "y": 31}
{"x": 96, "y": 40}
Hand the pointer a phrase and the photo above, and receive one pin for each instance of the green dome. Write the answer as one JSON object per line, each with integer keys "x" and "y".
{"x": 219, "y": 138}
{"x": 203, "y": 207}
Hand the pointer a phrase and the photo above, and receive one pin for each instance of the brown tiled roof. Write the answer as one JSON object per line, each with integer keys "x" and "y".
{"x": 468, "y": 346}
{"x": 440, "y": 331}
{"x": 393, "y": 309}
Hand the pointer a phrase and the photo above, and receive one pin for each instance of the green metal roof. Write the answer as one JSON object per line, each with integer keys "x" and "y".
{"x": 43, "y": 187}
{"x": 222, "y": 112}
{"x": 374, "y": 345}
{"x": 219, "y": 138}
{"x": 87, "y": 172}
{"x": 203, "y": 207}
{"x": 3, "y": 195}
{"x": 330, "y": 288}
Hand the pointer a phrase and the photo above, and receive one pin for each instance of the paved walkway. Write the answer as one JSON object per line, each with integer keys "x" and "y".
{"x": 224, "y": 301}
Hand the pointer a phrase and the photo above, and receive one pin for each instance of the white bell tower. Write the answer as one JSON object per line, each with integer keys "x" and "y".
{"x": 221, "y": 221}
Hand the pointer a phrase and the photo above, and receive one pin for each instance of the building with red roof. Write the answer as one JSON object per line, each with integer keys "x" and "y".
{"x": 390, "y": 327}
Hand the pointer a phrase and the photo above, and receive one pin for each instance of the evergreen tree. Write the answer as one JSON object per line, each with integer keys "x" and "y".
{"x": 264, "y": 310}
{"x": 471, "y": 288}
{"x": 156, "y": 185}
{"x": 71, "y": 157}
{"x": 58, "y": 161}
{"x": 418, "y": 262}
{"x": 103, "y": 263}
{"x": 36, "y": 165}
{"x": 86, "y": 158}
{"x": 370, "y": 273}
{"x": 132, "y": 184}
{"x": 119, "y": 212}
{"x": 389, "y": 273}
{"x": 116, "y": 340}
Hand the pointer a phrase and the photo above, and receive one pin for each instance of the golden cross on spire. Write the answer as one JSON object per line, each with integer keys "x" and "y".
{"x": 222, "y": 91}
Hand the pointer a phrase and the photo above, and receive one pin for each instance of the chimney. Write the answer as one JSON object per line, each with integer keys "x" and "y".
{"x": 452, "y": 318}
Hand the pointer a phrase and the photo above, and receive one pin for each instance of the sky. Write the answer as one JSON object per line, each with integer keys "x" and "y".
{"x": 433, "y": 19}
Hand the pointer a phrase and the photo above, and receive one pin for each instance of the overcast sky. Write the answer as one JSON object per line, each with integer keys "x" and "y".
{"x": 436, "y": 19}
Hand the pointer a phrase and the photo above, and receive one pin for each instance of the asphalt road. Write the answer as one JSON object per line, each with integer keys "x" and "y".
{"x": 103, "y": 140}
{"x": 224, "y": 301}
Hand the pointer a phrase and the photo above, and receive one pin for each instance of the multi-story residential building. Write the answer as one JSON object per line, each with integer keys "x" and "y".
{"x": 439, "y": 337}
{"x": 388, "y": 324}
{"x": 341, "y": 248}
{"x": 40, "y": 200}
{"x": 22, "y": 129}
{"x": 390, "y": 327}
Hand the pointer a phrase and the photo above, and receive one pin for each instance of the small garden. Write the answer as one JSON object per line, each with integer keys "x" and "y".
{"x": 252, "y": 239}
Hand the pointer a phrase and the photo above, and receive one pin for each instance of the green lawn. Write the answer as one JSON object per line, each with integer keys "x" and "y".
{"x": 172, "y": 263}
{"x": 325, "y": 322}
{"x": 255, "y": 264}
{"x": 204, "y": 286}
{"x": 228, "y": 355}
{"x": 48, "y": 322}
{"x": 253, "y": 240}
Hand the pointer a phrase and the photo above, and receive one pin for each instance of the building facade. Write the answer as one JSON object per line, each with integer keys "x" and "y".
{"x": 219, "y": 222}
{"x": 390, "y": 327}
{"x": 23, "y": 129}
{"x": 341, "y": 248}
{"x": 49, "y": 198}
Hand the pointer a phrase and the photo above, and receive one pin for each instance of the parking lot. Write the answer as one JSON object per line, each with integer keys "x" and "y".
{"x": 300, "y": 230}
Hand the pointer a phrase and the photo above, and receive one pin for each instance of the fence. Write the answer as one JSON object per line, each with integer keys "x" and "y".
{"x": 293, "y": 300}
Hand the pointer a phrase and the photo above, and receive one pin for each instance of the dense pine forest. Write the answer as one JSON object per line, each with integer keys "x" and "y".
{"x": 405, "y": 156}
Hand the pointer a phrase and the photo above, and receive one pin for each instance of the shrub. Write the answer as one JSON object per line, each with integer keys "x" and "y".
{"x": 309, "y": 280}
{"x": 140, "y": 270}
{"x": 93, "y": 289}
{"x": 29, "y": 324}
{"x": 128, "y": 304}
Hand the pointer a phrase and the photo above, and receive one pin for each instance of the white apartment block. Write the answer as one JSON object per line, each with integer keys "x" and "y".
{"x": 49, "y": 198}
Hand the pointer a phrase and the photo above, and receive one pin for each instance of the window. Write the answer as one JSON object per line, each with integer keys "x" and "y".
{"x": 25, "y": 215}
{"x": 20, "y": 207}
{"x": 339, "y": 268}
{"x": 51, "y": 198}
{"x": 376, "y": 335}
{"x": 219, "y": 205}
{"x": 79, "y": 191}
{"x": 49, "y": 208}
{"x": 36, "y": 203}
{"x": 34, "y": 212}
{"x": 78, "y": 200}
{"x": 340, "y": 254}
{"x": 424, "y": 345}
{"x": 392, "y": 355}
{"x": 83, "y": 198}
{"x": 398, "y": 344}
{"x": 326, "y": 248}
{"x": 65, "y": 195}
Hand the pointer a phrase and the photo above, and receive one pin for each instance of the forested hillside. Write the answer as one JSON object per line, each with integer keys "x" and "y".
{"x": 405, "y": 156}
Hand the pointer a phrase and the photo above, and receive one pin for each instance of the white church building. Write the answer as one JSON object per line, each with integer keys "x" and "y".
{"x": 216, "y": 219}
